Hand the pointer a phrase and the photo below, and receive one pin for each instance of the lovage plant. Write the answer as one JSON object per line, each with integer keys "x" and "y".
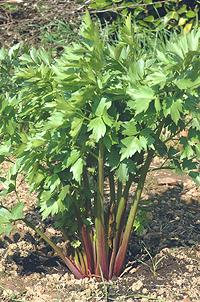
{"x": 94, "y": 119}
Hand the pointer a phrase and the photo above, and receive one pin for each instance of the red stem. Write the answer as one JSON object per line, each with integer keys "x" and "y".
{"x": 88, "y": 249}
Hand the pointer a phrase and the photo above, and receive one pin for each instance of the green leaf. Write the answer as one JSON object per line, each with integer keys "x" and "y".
{"x": 130, "y": 128}
{"x": 64, "y": 192}
{"x": 187, "y": 83}
{"x": 5, "y": 221}
{"x": 195, "y": 176}
{"x": 36, "y": 143}
{"x": 55, "y": 120}
{"x": 5, "y": 216}
{"x": 5, "y": 149}
{"x": 52, "y": 183}
{"x": 156, "y": 78}
{"x": 175, "y": 110}
{"x": 122, "y": 173}
{"x": 187, "y": 152}
{"x": 6, "y": 229}
{"x": 69, "y": 161}
{"x": 76, "y": 126}
{"x": 98, "y": 128}
{"x": 157, "y": 105}
{"x": 131, "y": 146}
{"x": 17, "y": 211}
{"x": 143, "y": 142}
{"x": 102, "y": 106}
{"x": 77, "y": 169}
{"x": 142, "y": 97}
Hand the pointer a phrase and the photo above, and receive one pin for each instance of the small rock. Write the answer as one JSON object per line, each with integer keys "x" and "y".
{"x": 187, "y": 299}
{"x": 137, "y": 285}
{"x": 133, "y": 270}
{"x": 145, "y": 291}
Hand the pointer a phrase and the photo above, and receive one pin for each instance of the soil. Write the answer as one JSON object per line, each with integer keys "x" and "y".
{"x": 163, "y": 262}
{"x": 30, "y": 20}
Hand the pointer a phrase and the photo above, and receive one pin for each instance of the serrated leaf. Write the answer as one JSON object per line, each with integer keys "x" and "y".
{"x": 47, "y": 207}
{"x": 5, "y": 149}
{"x": 17, "y": 211}
{"x": 77, "y": 169}
{"x": 157, "y": 105}
{"x": 98, "y": 128}
{"x": 64, "y": 192}
{"x": 76, "y": 126}
{"x": 36, "y": 143}
{"x": 175, "y": 110}
{"x": 131, "y": 146}
{"x": 143, "y": 142}
{"x": 195, "y": 176}
{"x": 74, "y": 155}
{"x": 122, "y": 173}
{"x": 142, "y": 97}
{"x": 55, "y": 120}
{"x": 130, "y": 128}
{"x": 102, "y": 106}
{"x": 186, "y": 83}
{"x": 187, "y": 152}
{"x": 107, "y": 119}
{"x": 5, "y": 216}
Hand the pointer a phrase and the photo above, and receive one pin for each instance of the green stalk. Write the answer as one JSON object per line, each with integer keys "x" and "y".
{"x": 112, "y": 187}
{"x": 76, "y": 260}
{"x": 101, "y": 248}
{"x": 111, "y": 210}
{"x": 83, "y": 264}
{"x": 119, "y": 190}
{"x": 86, "y": 187}
{"x": 119, "y": 224}
{"x": 119, "y": 261}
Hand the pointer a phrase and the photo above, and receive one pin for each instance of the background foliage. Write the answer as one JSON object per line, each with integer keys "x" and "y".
{"x": 151, "y": 14}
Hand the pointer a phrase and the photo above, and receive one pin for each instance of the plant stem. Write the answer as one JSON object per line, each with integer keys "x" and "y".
{"x": 86, "y": 187}
{"x": 101, "y": 248}
{"x": 111, "y": 209}
{"x": 119, "y": 190}
{"x": 119, "y": 261}
{"x": 131, "y": 217}
{"x": 88, "y": 249}
{"x": 112, "y": 187}
{"x": 119, "y": 224}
